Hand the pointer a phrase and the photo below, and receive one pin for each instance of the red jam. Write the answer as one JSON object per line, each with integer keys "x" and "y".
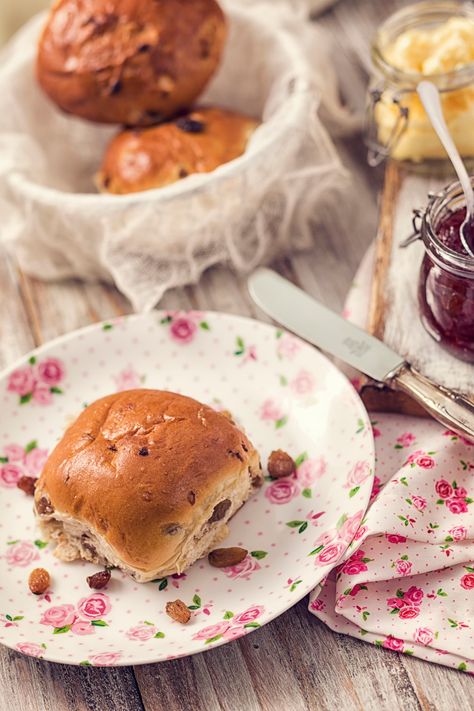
{"x": 446, "y": 299}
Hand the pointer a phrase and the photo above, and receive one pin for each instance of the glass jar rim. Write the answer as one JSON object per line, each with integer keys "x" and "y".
{"x": 445, "y": 257}
{"x": 395, "y": 24}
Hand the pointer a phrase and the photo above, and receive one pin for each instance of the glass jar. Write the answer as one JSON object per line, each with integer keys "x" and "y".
{"x": 446, "y": 281}
{"x": 397, "y": 125}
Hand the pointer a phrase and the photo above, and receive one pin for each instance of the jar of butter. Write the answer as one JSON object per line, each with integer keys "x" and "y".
{"x": 427, "y": 40}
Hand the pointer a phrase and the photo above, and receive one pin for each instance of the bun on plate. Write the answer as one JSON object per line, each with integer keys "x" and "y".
{"x": 197, "y": 142}
{"x": 145, "y": 480}
{"x": 134, "y": 62}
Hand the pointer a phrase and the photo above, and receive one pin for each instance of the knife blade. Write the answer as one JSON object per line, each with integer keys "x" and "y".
{"x": 307, "y": 318}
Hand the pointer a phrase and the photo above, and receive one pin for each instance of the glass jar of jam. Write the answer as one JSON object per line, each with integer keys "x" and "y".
{"x": 426, "y": 40}
{"x": 446, "y": 282}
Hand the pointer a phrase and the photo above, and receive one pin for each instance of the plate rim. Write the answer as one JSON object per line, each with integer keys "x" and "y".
{"x": 155, "y": 314}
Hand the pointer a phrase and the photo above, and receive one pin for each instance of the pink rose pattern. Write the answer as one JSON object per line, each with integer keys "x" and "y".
{"x": 144, "y": 631}
{"x": 405, "y": 440}
{"x": 85, "y": 618}
{"x": 412, "y": 574}
{"x": 232, "y": 627}
{"x": 303, "y": 383}
{"x": 282, "y": 491}
{"x": 310, "y": 471}
{"x": 127, "y": 379}
{"x": 105, "y": 659}
{"x": 453, "y": 496}
{"x": 21, "y": 554}
{"x": 330, "y": 545}
{"x": 244, "y": 570}
{"x": 423, "y": 635}
{"x": 357, "y": 475}
{"x": 271, "y": 410}
{"x": 288, "y": 346}
{"x": 31, "y": 648}
{"x": 403, "y": 566}
{"x": 17, "y": 461}
{"x": 38, "y": 381}
{"x": 184, "y": 325}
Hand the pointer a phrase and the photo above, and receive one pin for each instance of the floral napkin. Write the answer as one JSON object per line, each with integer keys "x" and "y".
{"x": 409, "y": 583}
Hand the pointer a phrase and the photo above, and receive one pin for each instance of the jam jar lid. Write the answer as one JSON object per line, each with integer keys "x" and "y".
{"x": 442, "y": 205}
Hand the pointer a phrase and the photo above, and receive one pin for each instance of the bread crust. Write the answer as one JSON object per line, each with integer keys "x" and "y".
{"x": 133, "y": 62}
{"x": 143, "y": 476}
{"x": 198, "y": 142}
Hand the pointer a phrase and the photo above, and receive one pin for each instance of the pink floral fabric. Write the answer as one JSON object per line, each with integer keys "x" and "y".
{"x": 409, "y": 584}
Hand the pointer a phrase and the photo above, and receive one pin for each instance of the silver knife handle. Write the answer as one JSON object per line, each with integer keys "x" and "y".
{"x": 448, "y": 407}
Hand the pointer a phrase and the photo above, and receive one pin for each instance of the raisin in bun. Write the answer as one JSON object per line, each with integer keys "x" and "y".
{"x": 197, "y": 142}
{"x": 129, "y": 61}
{"x": 145, "y": 480}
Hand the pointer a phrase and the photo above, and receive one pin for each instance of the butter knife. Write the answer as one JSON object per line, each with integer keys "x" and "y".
{"x": 306, "y": 317}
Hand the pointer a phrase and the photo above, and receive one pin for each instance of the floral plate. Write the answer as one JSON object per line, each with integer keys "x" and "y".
{"x": 285, "y": 394}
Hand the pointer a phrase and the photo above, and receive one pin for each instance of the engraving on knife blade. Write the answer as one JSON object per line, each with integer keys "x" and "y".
{"x": 355, "y": 347}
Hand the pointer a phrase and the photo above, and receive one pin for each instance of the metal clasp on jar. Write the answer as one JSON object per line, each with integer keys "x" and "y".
{"x": 418, "y": 217}
{"x": 377, "y": 152}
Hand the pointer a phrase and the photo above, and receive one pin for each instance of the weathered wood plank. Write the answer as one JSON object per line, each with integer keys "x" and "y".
{"x": 438, "y": 687}
{"x": 16, "y": 337}
{"x": 28, "y": 684}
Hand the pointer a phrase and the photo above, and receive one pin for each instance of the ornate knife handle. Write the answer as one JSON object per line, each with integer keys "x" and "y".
{"x": 449, "y": 407}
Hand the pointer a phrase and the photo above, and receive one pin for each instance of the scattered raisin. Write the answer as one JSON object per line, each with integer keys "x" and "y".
{"x": 183, "y": 173}
{"x": 88, "y": 546}
{"x": 154, "y": 115}
{"x": 116, "y": 88}
{"x": 220, "y": 510}
{"x": 143, "y": 452}
{"x": 178, "y": 611}
{"x": 205, "y": 48}
{"x": 39, "y": 581}
{"x": 235, "y": 453}
{"x": 190, "y": 125}
{"x": 44, "y": 506}
{"x": 99, "y": 580}
{"x": 172, "y": 529}
{"x": 192, "y": 498}
{"x": 144, "y": 48}
{"x": 27, "y": 484}
{"x": 244, "y": 447}
{"x": 280, "y": 464}
{"x": 225, "y": 557}
{"x": 257, "y": 479}
{"x": 113, "y": 448}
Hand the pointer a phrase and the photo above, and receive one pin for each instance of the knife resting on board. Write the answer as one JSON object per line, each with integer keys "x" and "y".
{"x": 300, "y": 313}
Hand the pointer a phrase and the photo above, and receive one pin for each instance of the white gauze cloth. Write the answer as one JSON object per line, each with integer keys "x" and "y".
{"x": 276, "y": 66}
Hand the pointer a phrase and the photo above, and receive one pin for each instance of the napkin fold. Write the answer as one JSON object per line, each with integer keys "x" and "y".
{"x": 409, "y": 583}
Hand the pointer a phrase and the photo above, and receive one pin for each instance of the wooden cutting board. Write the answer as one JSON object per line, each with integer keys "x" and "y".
{"x": 375, "y": 397}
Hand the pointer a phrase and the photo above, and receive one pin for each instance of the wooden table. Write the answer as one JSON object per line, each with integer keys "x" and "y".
{"x": 295, "y": 662}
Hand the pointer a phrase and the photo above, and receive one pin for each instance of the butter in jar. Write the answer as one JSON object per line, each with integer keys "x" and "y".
{"x": 428, "y": 40}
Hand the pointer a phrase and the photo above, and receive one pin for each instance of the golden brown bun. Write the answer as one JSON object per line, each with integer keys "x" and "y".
{"x": 198, "y": 142}
{"x": 134, "y": 62}
{"x": 145, "y": 480}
